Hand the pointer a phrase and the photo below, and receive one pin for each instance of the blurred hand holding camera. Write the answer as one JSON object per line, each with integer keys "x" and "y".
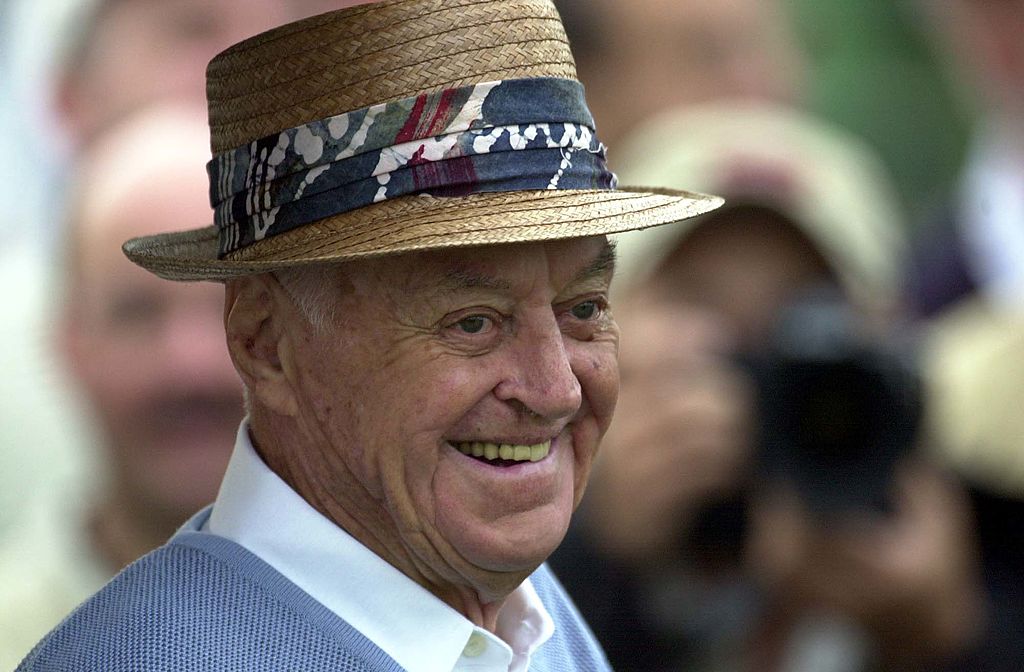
{"x": 681, "y": 433}
{"x": 909, "y": 577}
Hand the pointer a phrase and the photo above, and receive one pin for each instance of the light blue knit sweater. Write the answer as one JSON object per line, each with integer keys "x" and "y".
{"x": 202, "y": 603}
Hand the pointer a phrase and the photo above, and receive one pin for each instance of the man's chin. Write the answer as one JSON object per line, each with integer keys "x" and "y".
{"x": 511, "y": 552}
{"x": 495, "y": 577}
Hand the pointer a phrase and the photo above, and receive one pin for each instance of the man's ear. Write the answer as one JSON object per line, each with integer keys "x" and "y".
{"x": 258, "y": 342}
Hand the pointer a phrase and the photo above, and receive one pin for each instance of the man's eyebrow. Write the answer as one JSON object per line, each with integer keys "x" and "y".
{"x": 464, "y": 279}
{"x": 602, "y": 265}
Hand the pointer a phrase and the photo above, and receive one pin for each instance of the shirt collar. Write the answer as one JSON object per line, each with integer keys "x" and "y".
{"x": 259, "y": 511}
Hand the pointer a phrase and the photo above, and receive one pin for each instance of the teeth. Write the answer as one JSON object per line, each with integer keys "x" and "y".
{"x": 505, "y": 451}
{"x": 539, "y": 451}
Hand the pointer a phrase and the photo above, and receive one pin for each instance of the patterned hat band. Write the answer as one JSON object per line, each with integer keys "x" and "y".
{"x": 511, "y": 135}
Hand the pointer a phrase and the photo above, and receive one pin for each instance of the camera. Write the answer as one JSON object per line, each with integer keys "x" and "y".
{"x": 837, "y": 407}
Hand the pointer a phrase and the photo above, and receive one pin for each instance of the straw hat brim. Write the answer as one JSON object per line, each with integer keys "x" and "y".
{"x": 421, "y": 222}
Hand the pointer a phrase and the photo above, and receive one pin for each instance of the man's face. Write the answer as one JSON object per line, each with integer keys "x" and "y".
{"x": 435, "y": 355}
{"x": 150, "y": 354}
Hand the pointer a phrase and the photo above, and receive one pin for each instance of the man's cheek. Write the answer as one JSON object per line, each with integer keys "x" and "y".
{"x": 601, "y": 381}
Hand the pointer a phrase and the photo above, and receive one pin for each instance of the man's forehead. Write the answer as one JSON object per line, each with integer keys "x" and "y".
{"x": 501, "y": 267}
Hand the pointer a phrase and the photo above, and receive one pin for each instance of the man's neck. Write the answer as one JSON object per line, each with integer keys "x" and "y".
{"x": 479, "y": 604}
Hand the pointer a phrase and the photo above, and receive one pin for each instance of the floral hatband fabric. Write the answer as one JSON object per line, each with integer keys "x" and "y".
{"x": 511, "y": 135}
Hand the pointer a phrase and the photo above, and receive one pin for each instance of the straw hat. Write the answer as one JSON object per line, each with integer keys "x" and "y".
{"x": 398, "y": 126}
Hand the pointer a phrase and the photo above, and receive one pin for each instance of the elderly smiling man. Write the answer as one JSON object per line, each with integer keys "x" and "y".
{"x": 410, "y": 211}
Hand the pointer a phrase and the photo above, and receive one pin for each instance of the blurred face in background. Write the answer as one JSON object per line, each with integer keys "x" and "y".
{"x": 137, "y": 51}
{"x": 744, "y": 265}
{"x": 142, "y": 50}
{"x": 653, "y": 54}
{"x": 149, "y": 354}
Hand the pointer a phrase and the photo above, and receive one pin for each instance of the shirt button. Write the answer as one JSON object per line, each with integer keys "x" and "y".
{"x": 476, "y": 645}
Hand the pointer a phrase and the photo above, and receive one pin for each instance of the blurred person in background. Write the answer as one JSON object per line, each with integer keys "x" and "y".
{"x": 75, "y": 65}
{"x": 91, "y": 63}
{"x": 110, "y": 58}
{"x": 974, "y": 364}
{"x": 976, "y": 245}
{"x": 967, "y": 282}
{"x": 123, "y": 54}
{"x": 150, "y": 359}
{"x": 700, "y": 543}
{"x": 640, "y": 57}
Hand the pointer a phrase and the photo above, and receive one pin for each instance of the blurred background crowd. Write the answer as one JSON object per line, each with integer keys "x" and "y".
{"x": 817, "y": 462}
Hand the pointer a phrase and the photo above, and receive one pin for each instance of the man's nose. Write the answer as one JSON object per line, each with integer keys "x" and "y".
{"x": 540, "y": 373}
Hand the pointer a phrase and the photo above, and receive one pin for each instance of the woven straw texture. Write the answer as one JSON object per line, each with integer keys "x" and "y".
{"x": 370, "y": 54}
{"x": 420, "y": 223}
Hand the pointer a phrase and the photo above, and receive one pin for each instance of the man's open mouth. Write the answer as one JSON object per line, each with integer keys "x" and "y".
{"x": 504, "y": 454}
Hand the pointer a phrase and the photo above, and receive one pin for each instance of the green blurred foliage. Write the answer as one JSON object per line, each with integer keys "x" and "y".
{"x": 875, "y": 70}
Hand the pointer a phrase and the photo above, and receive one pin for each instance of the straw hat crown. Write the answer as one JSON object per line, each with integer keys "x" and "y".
{"x": 377, "y": 53}
{"x": 397, "y": 126}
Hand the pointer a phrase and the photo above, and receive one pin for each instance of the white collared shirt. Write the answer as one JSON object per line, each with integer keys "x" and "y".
{"x": 259, "y": 511}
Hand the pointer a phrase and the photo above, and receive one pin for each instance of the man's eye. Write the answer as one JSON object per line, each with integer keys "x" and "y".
{"x": 474, "y": 324}
{"x": 585, "y": 310}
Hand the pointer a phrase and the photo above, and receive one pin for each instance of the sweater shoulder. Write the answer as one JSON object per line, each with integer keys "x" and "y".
{"x": 203, "y": 603}
{"x": 573, "y": 646}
